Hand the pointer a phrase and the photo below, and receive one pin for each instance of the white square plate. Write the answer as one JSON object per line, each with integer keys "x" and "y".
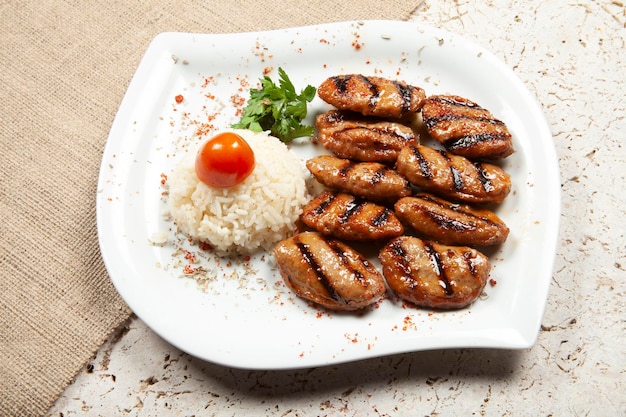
{"x": 244, "y": 317}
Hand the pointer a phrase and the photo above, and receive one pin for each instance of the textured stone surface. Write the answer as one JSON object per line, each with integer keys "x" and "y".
{"x": 572, "y": 57}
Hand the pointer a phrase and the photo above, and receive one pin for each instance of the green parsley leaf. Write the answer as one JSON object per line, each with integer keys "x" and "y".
{"x": 278, "y": 108}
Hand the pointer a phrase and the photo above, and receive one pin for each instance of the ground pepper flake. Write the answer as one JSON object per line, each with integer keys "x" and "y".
{"x": 179, "y": 98}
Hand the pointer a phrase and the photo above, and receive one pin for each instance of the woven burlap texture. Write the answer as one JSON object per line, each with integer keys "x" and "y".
{"x": 65, "y": 67}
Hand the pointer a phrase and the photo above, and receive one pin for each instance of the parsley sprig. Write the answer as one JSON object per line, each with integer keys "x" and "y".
{"x": 278, "y": 108}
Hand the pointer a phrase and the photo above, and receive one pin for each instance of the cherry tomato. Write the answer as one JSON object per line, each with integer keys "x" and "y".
{"x": 224, "y": 160}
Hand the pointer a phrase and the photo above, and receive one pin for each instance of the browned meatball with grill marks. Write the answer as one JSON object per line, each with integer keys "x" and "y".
{"x": 452, "y": 176}
{"x": 464, "y": 128}
{"x": 369, "y": 180}
{"x": 451, "y": 223}
{"x": 346, "y": 217}
{"x": 328, "y": 272}
{"x": 432, "y": 275}
{"x": 353, "y": 136}
{"x": 371, "y": 95}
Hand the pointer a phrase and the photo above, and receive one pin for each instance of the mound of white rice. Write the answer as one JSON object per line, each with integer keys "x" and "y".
{"x": 255, "y": 214}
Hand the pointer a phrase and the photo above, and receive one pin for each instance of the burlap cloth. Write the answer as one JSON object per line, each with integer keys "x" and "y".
{"x": 64, "y": 68}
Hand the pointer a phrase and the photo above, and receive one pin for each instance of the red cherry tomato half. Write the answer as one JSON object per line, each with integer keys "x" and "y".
{"x": 224, "y": 160}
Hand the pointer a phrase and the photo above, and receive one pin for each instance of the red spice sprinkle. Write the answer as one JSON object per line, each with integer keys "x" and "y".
{"x": 324, "y": 41}
{"x": 206, "y": 82}
{"x": 179, "y": 98}
{"x": 190, "y": 256}
{"x": 243, "y": 82}
{"x": 188, "y": 270}
{"x": 267, "y": 70}
{"x": 205, "y": 246}
{"x": 493, "y": 282}
{"x": 163, "y": 179}
{"x": 408, "y": 322}
{"x": 238, "y": 101}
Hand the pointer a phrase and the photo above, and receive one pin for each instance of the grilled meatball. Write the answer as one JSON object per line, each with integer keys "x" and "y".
{"x": 453, "y": 176}
{"x": 372, "y": 96}
{"x": 328, "y": 272}
{"x": 451, "y": 223}
{"x": 465, "y": 128}
{"x": 346, "y": 217}
{"x": 369, "y": 180}
{"x": 432, "y": 275}
{"x": 352, "y": 136}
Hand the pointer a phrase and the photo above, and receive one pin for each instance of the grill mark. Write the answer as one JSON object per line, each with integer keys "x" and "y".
{"x": 341, "y": 83}
{"x": 405, "y": 93}
{"x": 345, "y": 168}
{"x": 321, "y": 276}
{"x": 482, "y": 177}
{"x": 431, "y": 122}
{"x": 334, "y": 117}
{"x": 456, "y": 208}
{"x": 381, "y": 132}
{"x": 348, "y": 168}
{"x": 454, "y": 102}
{"x": 379, "y": 175}
{"x": 423, "y": 163}
{"x": 439, "y": 268}
{"x": 448, "y": 223}
{"x": 402, "y": 262}
{"x": 322, "y": 206}
{"x": 465, "y": 141}
{"x": 381, "y": 218}
{"x": 353, "y": 208}
{"x": 392, "y": 133}
{"x": 375, "y": 97}
{"x": 341, "y": 254}
{"x": 457, "y": 179}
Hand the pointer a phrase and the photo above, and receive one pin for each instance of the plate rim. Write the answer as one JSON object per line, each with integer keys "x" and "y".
{"x": 138, "y": 82}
